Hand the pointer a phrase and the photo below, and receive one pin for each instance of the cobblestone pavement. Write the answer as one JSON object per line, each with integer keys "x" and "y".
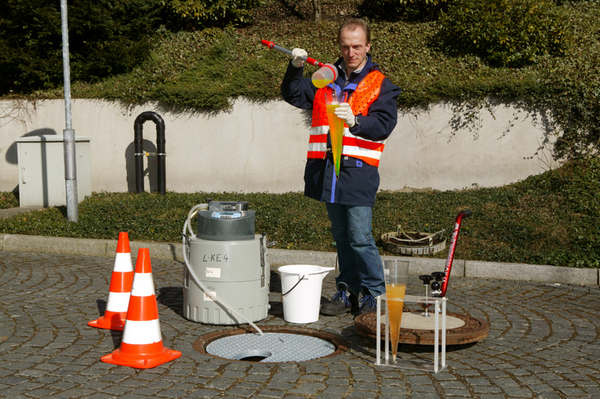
{"x": 543, "y": 343}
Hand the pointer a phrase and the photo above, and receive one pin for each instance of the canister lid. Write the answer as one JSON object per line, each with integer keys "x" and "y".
{"x": 226, "y": 221}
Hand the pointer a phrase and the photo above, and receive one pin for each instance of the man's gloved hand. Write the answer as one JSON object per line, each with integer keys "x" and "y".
{"x": 298, "y": 57}
{"x": 343, "y": 111}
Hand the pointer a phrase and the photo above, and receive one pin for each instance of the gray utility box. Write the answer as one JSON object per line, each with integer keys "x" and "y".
{"x": 231, "y": 262}
{"x": 42, "y": 170}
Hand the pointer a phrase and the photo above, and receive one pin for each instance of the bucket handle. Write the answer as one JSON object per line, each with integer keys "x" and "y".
{"x": 295, "y": 285}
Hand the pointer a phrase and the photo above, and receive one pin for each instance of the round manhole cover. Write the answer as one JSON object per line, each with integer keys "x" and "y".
{"x": 277, "y": 344}
{"x": 416, "y": 329}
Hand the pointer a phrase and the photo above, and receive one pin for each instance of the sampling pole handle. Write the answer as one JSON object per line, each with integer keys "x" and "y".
{"x": 272, "y": 45}
{"x": 461, "y": 215}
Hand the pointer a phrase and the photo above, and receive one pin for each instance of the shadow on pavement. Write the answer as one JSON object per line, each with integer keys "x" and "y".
{"x": 101, "y": 304}
{"x": 172, "y": 297}
{"x": 275, "y": 283}
{"x": 117, "y": 337}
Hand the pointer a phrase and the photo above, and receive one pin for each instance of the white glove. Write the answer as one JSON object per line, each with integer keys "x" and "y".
{"x": 299, "y": 56}
{"x": 343, "y": 111}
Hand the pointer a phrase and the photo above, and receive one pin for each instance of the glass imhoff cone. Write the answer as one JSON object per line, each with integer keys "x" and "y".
{"x": 336, "y": 135}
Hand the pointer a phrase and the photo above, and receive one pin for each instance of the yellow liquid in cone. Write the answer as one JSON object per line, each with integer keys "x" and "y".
{"x": 320, "y": 83}
{"x": 336, "y": 135}
{"x": 395, "y": 302}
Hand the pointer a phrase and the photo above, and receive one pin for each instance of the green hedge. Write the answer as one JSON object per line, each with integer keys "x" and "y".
{"x": 510, "y": 33}
{"x": 8, "y": 200}
{"x": 552, "y": 218}
{"x": 106, "y": 37}
{"x": 204, "y": 13}
{"x": 410, "y": 10}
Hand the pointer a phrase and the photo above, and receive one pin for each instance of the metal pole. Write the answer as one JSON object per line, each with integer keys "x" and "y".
{"x": 68, "y": 132}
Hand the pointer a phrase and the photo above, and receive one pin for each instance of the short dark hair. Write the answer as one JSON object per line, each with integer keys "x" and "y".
{"x": 354, "y": 23}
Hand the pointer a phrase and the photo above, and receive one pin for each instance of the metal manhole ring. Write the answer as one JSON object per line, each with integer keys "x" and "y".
{"x": 203, "y": 341}
{"x": 414, "y": 251}
{"x": 399, "y": 249}
{"x": 473, "y": 330}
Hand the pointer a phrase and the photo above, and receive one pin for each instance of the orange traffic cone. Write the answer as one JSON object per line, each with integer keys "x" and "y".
{"x": 119, "y": 290}
{"x": 142, "y": 346}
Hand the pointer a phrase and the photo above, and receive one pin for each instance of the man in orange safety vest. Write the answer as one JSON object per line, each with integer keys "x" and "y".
{"x": 368, "y": 107}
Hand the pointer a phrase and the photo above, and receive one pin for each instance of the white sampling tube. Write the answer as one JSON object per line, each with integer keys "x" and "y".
{"x": 187, "y": 228}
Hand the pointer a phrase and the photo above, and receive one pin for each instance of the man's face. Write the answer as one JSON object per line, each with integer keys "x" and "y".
{"x": 354, "y": 46}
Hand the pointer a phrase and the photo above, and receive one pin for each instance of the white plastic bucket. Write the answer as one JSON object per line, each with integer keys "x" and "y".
{"x": 301, "y": 292}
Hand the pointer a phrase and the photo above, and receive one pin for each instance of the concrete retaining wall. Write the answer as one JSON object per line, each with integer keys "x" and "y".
{"x": 262, "y": 147}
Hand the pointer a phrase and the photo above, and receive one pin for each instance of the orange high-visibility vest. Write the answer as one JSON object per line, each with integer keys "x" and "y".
{"x": 367, "y": 150}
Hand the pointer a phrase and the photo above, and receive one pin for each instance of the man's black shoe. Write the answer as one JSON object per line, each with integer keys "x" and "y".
{"x": 354, "y": 308}
{"x": 368, "y": 304}
{"x": 338, "y": 304}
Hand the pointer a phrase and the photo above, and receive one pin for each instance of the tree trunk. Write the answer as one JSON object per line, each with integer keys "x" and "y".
{"x": 317, "y": 10}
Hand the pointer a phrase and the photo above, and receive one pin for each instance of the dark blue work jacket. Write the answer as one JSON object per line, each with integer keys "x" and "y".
{"x": 358, "y": 182}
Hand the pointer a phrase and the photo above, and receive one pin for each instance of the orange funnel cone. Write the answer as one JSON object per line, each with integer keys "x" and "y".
{"x": 120, "y": 287}
{"x": 142, "y": 346}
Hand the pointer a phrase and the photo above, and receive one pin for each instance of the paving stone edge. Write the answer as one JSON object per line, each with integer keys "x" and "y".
{"x": 167, "y": 250}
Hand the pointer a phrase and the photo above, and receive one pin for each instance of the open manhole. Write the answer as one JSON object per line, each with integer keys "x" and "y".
{"x": 277, "y": 344}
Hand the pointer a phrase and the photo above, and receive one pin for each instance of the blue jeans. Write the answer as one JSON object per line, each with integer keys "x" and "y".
{"x": 360, "y": 264}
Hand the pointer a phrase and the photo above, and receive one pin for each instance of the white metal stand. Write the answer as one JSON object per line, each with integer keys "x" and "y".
{"x": 439, "y": 310}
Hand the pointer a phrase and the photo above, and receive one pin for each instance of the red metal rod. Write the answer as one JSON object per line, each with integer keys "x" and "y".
{"x": 274, "y": 46}
{"x": 463, "y": 214}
